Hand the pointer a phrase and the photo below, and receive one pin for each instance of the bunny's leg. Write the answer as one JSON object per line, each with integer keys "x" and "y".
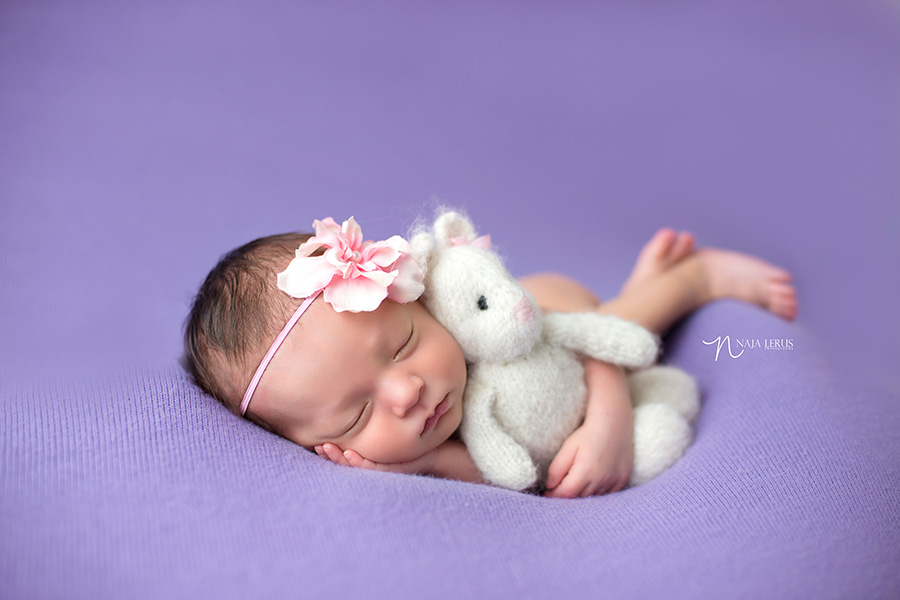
{"x": 501, "y": 460}
{"x": 666, "y": 385}
{"x": 661, "y": 436}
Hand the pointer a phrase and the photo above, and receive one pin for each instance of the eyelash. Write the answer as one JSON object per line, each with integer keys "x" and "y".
{"x": 358, "y": 419}
{"x": 405, "y": 344}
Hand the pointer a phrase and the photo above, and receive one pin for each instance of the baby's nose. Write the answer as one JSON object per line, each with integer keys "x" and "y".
{"x": 403, "y": 393}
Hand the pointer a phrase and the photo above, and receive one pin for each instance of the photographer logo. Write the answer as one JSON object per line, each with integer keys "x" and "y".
{"x": 742, "y": 345}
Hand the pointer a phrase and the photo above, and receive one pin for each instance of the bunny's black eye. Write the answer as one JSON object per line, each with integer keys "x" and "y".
{"x": 482, "y": 303}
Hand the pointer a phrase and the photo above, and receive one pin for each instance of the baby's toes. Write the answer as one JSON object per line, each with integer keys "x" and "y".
{"x": 785, "y": 309}
{"x": 783, "y": 300}
{"x": 778, "y": 274}
{"x": 659, "y": 245}
{"x": 683, "y": 245}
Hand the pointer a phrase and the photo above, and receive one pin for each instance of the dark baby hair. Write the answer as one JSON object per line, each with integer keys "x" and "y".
{"x": 236, "y": 314}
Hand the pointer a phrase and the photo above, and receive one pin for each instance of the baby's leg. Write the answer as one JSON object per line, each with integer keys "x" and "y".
{"x": 657, "y": 302}
{"x": 555, "y": 292}
{"x": 663, "y": 250}
{"x": 558, "y": 293}
{"x": 670, "y": 280}
{"x": 709, "y": 274}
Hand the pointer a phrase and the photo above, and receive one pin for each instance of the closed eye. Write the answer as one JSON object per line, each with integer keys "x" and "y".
{"x": 406, "y": 343}
{"x": 357, "y": 421}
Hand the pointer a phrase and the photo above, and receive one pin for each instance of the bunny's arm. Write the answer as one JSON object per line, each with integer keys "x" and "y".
{"x": 604, "y": 337}
{"x": 501, "y": 460}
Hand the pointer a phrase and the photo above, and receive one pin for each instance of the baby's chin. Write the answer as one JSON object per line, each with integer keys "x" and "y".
{"x": 438, "y": 436}
{"x": 383, "y": 455}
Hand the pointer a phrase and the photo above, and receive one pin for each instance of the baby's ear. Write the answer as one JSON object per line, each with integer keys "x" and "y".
{"x": 451, "y": 225}
{"x": 421, "y": 249}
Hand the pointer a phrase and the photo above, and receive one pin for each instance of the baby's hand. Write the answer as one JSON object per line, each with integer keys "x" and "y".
{"x": 351, "y": 458}
{"x": 590, "y": 462}
{"x": 597, "y": 457}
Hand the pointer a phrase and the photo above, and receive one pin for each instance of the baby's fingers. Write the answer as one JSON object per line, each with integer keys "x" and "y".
{"x": 332, "y": 453}
{"x": 572, "y": 486}
{"x": 605, "y": 485}
{"x": 561, "y": 465}
{"x": 355, "y": 460}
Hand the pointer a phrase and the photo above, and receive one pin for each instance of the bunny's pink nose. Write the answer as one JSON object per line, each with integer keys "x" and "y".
{"x": 524, "y": 311}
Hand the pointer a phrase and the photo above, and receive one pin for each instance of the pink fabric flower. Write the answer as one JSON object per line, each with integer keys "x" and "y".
{"x": 355, "y": 275}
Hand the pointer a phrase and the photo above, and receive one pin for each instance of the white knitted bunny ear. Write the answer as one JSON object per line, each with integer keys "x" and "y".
{"x": 422, "y": 249}
{"x": 453, "y": 229}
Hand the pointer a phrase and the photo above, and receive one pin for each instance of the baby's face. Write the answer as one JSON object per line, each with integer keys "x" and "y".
{"x": 372, "y": 382}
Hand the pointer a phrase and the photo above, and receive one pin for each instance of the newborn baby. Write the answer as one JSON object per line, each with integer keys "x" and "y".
{"x": 321, "y": 339}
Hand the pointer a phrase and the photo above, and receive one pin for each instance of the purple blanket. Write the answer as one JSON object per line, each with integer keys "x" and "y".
{"x": 139, "y": 141}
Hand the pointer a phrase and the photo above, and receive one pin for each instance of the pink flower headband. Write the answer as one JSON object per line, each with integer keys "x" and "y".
{"x": 355, "y": 276}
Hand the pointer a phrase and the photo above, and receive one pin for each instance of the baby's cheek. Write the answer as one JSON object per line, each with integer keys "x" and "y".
{"x": 386, "y": 447}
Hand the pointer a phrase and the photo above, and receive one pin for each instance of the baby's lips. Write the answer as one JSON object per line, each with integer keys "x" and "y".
{"x": 439, "y": 410}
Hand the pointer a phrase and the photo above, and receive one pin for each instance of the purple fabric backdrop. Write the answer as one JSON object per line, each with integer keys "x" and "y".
{"x": 139, "y": 141}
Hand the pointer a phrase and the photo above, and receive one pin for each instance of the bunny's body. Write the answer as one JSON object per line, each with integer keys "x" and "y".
{"x": 537, "y": 415}
{"x": 525, "y": 392}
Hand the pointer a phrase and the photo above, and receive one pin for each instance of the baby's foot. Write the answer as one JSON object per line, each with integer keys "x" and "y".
{"x": 663, "y": 250}
{"x": 735, "y": 275}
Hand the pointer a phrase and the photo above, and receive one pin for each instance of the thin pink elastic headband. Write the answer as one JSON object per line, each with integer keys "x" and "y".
{"x": 357, "y": 276}
{"x": 273, "y": 349}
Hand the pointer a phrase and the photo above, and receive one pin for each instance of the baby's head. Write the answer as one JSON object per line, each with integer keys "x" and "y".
{"x": 386, "y": 381}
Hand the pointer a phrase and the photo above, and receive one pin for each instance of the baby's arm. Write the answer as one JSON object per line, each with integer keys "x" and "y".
{"x": 450, "y": 460}
{"x": 454, "y": 462}
{"x": 597, "y": 457}
{"x": 598, "y": 454}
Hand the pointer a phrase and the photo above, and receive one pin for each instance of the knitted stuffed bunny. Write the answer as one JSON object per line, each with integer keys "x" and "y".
{"x": 526, "y": 392}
